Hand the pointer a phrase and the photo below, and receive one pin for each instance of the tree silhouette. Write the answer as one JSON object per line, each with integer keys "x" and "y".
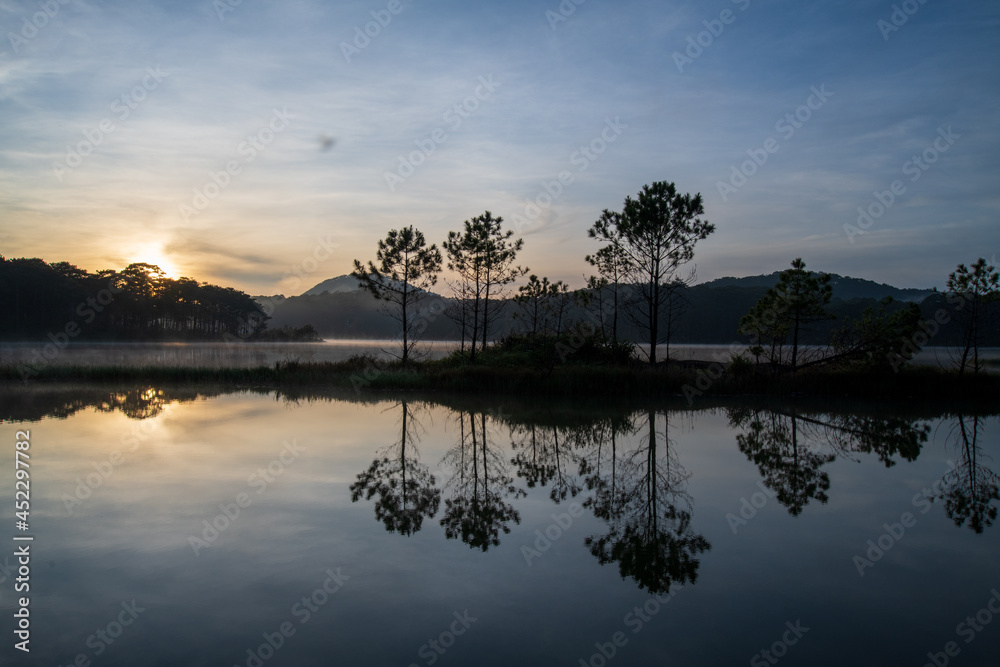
{"x": 478, "y": 511}
{"x": 886, "y": 437}
{"x": 140, "y": 403}
{"x": 407, "y": 268}
{"x": 649, "y": 516}
{"x": 976, "y": 290}
{"x": 878, "y": 340}
{"x": 795, "y": 302}
{"x": 138, "y": 302}
{"x": 655, "y": 233}
{"x": 531, "y": 456}
{"x": 789, "y": 467}
{"x": 611, "y": 263}
{"x": 482, "y": 255}
{"x": 541, "y": 458}
{"x": 787, "y": 447}
{"x": 970, "y": 488}
{"x": 532, "y": 300}
{"x": 405, "y": 487}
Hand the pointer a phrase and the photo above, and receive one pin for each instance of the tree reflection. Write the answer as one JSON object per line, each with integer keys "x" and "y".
{"x": 886, "y": 437}
{"x": 35, "y": 401}
{"x": 404, "y": 486}
{"x": 789, "y": 448}
{"x": 788, "y": 467}
{"x": 136, "y": 403}
{"x": 541, "y": 457}
{"x": 970, "y": 487}
{"x": 643, "y": 500}
{"x": 477, "y": 510}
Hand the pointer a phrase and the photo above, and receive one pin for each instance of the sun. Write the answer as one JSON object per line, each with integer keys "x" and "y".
{"x": 153, "y": 253}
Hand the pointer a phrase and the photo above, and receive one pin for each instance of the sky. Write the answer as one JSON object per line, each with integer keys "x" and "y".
{"x": 266, "y": 145}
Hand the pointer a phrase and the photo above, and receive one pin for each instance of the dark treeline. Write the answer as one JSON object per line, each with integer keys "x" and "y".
{"x": 41, "y": 299}
{"x": 711, "y": 316}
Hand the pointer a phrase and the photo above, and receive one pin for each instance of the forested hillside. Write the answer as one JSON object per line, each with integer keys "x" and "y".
{"x": 711, "y": 313}
{"x": 40, "y": 300}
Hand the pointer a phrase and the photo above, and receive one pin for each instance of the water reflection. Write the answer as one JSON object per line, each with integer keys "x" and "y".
{"x": 480, "y": 486}
{"x": 449, "y": 478}
{"x": 639, "y": 491}
{"x": 790, "y": 448}
{"x": 648, "y": 512}
{"x": 405, "y": 487}
{"x": 33, "y": 403}
{"x": 542, "y": 458}
{"x": 970, "y": 488}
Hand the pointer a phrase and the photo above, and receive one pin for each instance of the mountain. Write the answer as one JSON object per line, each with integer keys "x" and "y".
{"x": 335, "y": 286}
{"x": 339, "y": 309}
{"x": 844, "y": 287}
{"x": 355, "y": 314}
{"x": 341, "y": 285}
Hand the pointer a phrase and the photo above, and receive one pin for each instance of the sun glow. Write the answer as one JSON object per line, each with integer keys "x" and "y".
{"x": 153, "y": 253}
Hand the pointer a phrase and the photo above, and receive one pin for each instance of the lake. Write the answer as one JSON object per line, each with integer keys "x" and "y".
{"x": 189, "y": 526}
{"x": 243, "y": 355}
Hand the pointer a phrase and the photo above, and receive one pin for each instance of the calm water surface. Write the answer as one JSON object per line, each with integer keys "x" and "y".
{"x": 239, "y": 354}
{"x": 390, "y": 532}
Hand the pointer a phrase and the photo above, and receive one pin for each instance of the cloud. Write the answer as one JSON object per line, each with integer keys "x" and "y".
{"x": 557, "y": 88}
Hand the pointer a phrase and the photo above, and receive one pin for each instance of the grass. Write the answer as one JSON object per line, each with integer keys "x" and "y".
{"x": 511, "y": 375}
{"x": 571, "y": 366}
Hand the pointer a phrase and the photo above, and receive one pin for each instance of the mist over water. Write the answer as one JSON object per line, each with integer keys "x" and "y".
{"x": 245, "y": 355}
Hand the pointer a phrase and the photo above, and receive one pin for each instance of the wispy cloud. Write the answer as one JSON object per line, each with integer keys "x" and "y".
{"x": 224, "y": 78}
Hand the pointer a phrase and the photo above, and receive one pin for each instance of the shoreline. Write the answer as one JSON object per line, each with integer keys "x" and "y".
{"x": 690, "y": 381}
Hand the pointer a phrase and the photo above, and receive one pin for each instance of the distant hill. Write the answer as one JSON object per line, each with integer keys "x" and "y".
{"x": 340, "y": 285}
{"x": 338, "y": 308}
{"x": 844, "y": 287}
{"x": 335, "y": 286}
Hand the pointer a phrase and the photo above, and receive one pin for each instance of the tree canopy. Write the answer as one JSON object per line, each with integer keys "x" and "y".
{"x": 137, "y": 302}
{"x": 406, "y": 270}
